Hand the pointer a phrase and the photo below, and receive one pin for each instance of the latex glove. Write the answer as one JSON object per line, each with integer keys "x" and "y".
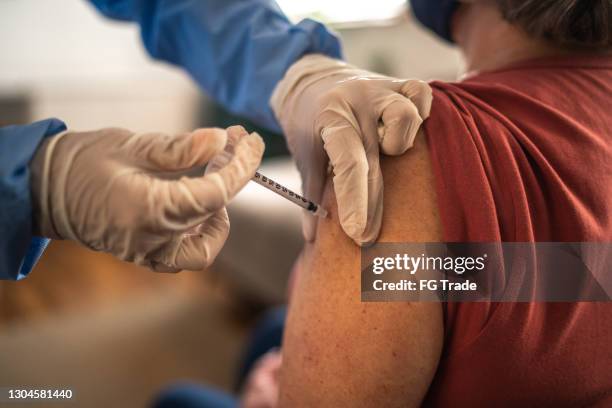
{"x": 110, "y": 191}
{"x": 327, "y": 106}
{"x": 262, "y": 386}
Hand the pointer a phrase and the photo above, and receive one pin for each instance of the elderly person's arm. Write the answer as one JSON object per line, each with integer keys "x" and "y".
{"x": 339, "y": 351}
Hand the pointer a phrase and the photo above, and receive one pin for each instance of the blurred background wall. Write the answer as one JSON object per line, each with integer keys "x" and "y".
{"x": 114, "y": 332}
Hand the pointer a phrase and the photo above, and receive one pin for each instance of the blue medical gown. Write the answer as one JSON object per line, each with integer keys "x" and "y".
{"x": 236, "y": 50}
{"x": 19, "y": 251}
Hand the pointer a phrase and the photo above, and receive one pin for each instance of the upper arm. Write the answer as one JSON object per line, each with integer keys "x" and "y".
{"x": 339, "y": 351}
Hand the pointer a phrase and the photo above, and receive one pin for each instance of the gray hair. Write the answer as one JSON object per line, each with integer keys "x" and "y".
{"x": 574, "y": 24}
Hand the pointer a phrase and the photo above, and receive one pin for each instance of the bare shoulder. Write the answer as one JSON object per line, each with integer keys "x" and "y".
{"x": 339, "y": 351}
{"x": 411, "y": 209}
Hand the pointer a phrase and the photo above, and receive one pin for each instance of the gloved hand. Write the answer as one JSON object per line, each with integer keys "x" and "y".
{"x": 327, "y": 106}
{"x": 110, "y": 191}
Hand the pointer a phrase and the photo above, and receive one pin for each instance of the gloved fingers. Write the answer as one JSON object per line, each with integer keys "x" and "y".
{"x": 195, "y": 249}
{"x": 402, "y": 116}
{"x": 157, "y": 260}
{"x": 221, "y": 186}
{"x": 420, "y": 93}
{"x": 358, "y": 181}
{"x": 177, "y": 153}
{"x": 375, "y": 194}
{"x": 349, "y": 161}
{"x": 199, "y": 250}
{"x": 309, "y": 226}
{"x": 375, "y": 207}
{"x": 190, "y": 201}
{"x": 234, "y": 134}
{"x": 314, "y": 176}
{"x": 162, "y": 268}
{"x": 400, "y": 123}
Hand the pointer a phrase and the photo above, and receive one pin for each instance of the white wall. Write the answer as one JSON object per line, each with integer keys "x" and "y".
{"x": 87, "y": 70}
{"x": 402, "y": 49}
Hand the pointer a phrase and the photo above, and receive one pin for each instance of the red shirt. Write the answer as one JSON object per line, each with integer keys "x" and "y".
{"x": 525, "y": 154}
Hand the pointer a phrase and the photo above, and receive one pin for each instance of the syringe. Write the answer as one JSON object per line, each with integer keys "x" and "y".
{"x": 284, "y": 192}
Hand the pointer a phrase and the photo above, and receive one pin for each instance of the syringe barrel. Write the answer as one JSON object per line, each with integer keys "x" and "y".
{"x": 284, "y": 192}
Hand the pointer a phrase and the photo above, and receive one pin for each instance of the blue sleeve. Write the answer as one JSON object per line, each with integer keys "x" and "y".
{"x": 236, "y": 50}
{"x": 19, "y": 250}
